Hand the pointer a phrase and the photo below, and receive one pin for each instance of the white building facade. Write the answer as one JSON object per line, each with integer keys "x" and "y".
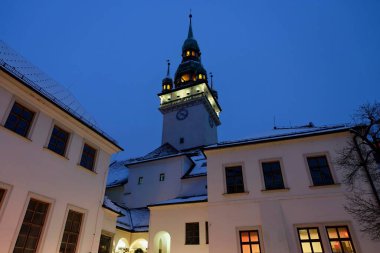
{"x": 53, "y": 167}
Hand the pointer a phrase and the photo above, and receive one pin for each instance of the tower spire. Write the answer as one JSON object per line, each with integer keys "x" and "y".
{"x": 190, "y": 34}
{"x": 168, "y": 72}
{"x": 212, "y": 83}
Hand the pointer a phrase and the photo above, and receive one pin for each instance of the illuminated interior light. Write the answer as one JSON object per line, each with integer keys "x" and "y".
{"x": 187, "y": 53}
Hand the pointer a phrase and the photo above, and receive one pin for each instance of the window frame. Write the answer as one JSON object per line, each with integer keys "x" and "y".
{"x": 43, "y": 234}
{"x": 8, "y": 111}
{"x": 94, "y": 166}
{"x": 68, "y": 143}
{"x": 329, "y": 163}
{"x": 107, "y": 234}
{"x": 322, "y": 227}
{"x": 140, "y": 180}
{"x": 162, "y": 177}
{"x": 4, "y": 201}
{"x": 283, "y": 174}
{"x": 245, "y": 186}
{"x": 192, "y": 237}
{"x": 300, "y": 241}
{"x": 249, "y": 228}
{"x": 350, "y": 239}
{"x": 84, "y": 213}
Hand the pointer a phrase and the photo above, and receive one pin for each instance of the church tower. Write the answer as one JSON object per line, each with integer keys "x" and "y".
{"x": 189, "y": 105}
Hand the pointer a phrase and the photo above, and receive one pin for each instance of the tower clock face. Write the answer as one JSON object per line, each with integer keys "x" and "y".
{"x": 182, "y": 114}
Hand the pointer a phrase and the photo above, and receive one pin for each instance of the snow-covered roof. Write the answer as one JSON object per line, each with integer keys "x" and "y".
{"x": 281, "y": 135}
{"x": 107, "y": 203}
{"x": 200, "y": 166}
{"x": 117, "y": 174}
{"x": 32, "y": 77}
{"x": 164, "y": 151}
{"x": 134, "y": 220}
{"x": 182, "y": 200}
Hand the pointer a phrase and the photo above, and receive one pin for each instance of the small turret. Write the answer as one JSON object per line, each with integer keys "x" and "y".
{"x": 167, "y": 82}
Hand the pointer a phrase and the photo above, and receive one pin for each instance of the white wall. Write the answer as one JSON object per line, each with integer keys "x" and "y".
{"x": 276, "y": 214}
{"x": 172, "y": 219}
{"x": 34, "y": 171}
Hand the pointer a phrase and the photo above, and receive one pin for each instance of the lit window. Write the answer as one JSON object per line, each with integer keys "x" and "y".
{"x": 140, "y": 181}
{"x": 187, "y": 53}
{"x": 19, "y": 120}
{"x": 192, "y": 53}
{"x": 88, "y": 157}
{"x": 319, "y": 170}
{"x": 234, "y": 179}
{"x": 185, "y": 78}
{"x": 272, "y": 175}
{"x": 249, "y": 241}
{"x": 200, "y": 76}
{"x": 58, "y": 140}
{"x": 340, "y": 239}
{"x": 162, "y": 177}
{"x": 31, "y": 228}
{"x": 71, "y": 232}
{"x": 192, "y": 233}
{"x": 310, "y": 240}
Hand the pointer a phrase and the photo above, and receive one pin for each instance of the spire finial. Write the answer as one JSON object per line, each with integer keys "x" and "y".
{"x": 212, "y": 83}
{"x": 168, "y": 72}
{"x": 190, "y": 34}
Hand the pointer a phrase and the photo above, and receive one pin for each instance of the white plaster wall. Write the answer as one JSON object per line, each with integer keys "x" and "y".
{"x": 195, "y": 129}
{"x": 152, "y": 190}
{"x": 31, "y": 169}
{"x": 172, "y": 219}
{"x": 194, "y": 186}
{"x": 277, "y": 213}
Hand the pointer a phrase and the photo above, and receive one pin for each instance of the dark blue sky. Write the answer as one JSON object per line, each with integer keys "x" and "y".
{"x": 298, "y": 61}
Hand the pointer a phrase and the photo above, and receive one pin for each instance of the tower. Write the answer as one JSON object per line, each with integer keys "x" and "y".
{"x": 189, "y": 105}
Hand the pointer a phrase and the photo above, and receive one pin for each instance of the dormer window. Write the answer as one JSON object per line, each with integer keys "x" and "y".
{"x": 188, "y": 53}
{"x": 185, "y": 78}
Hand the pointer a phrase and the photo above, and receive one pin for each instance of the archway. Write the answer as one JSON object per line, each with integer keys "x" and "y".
{"x": 161, "y": 242}
{"x": 139, "y": 245}
{"x": 122, "y": 246}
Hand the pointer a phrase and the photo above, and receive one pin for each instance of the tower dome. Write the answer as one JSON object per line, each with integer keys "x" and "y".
{"x": 191, "y": 70}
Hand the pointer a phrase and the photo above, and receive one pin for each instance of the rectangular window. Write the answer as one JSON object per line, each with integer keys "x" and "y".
{"x": 2, "y": 194}
{"x": 234, "y": 179}
{"x": 140, "y": 181}
{"x": 340, "y": 239}
{"x": 31, "y": 228}
{"x": 20, "y": 119}
{"x": 310, "y": 240}
{"x": 206, "y": 228}
{"x": 192, "y": 233}
{"x": 105, "y": 244}
{"x": 58, "y": 140}
{"x": 319, "y": 170}
{"x": 272, "y": 175}
{"x": 249, "y": 241}
{"x": 88, "y": 157}
{"x": 162, "y": 177}
{"x": 71, "y": 233}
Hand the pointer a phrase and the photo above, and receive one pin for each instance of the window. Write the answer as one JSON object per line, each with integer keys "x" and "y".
{"x": 58, "y": 141}
{"x": 310, "y": 240}
{"x": 140, "y": 181}
{"x": 19, "y": 120}
{"x": 340, "y": 239}
{"x": 319, "y": 170}
{"x": 192, "y": 233}
{"x": 162, "y": 177}
{"x": 88, "y": 157}
{"x": 181, "y": 140}
{"x": 249, "y": 241}
{"x": 2, "y": 194}
{"x": 31, "y": 228}
{"x": 272, "y": 175}
{"x": 206, "y": 229}
{"x": 234, "y": 179}
{"x": 105, "y": 244}
{"x": 71, "y": 233}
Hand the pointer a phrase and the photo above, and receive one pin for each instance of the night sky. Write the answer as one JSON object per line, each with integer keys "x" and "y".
{"x": 295, "y": 61}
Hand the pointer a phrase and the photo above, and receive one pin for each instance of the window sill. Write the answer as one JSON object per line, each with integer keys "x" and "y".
{"x": 57, "y": 155}
{"x": 276, "y": 190}
{"x": 16, "y": 134}
{"x": 324, "y": 186}
{"x": 86, "y": 169}
{"x": 234, "y": 194}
